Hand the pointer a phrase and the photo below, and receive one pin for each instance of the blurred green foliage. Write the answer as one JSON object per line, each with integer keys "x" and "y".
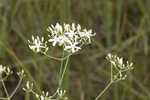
{"x": 122, "y": 27}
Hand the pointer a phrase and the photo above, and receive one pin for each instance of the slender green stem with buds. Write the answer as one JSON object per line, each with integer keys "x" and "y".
{"x": 71, "y": 38}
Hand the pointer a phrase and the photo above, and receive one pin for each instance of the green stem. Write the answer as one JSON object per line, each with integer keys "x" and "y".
{"x": 5, "y": 90}
{"x": 103, "y": 91}
{"x": 16, "y": 88}
{"x": 61, "y": 69}
{"x": 55, "y": 58}
{"x": 3, "y": 98}
{"x": 60, "y": 84}
{"x": 111, "y": 73}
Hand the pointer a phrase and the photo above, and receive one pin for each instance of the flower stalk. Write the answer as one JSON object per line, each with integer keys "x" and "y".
{"x": 118, "y": 71}
{"x": 71, "y": 38}
{"x": 7, "y": 71}
{"x": 63, "y": 73}
{"x": 106, "y": 88}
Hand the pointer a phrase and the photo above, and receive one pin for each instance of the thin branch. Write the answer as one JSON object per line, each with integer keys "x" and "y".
{"x": 64, "y": 71}
{"x": 101, "y": 93}
{"x": 3, "y": 98}
{"x": 16, "y": 87}
{"x": 55, "y": 58}
{"x": 5, "y": 89}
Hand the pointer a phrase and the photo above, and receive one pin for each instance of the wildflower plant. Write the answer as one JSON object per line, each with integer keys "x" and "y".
{"x": 71, "y": 38}
{"x": 119, "y": 70}
{"x": 4, "y": 73}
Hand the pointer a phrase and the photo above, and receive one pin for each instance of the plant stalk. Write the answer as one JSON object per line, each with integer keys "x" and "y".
{"x": 5, "y": 90}
{"x": 103, "y": 91}
{"x": 63, "y": 73}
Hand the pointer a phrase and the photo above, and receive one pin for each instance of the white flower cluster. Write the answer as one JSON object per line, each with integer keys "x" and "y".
{"x": 4, "y": 73}
{"x": 6, "y": 70}
{"x": 61, "y": 94}
{"x": 29, "y": 87}
{"x": 58, "y": 95}
{"x": 2, "y": 69}
{"x": 45, "y": 95}
{"x": 119, "y": 68}
{"x": 38, "y": 45}
{"x": 70, "y": 37}
{"x": 21, "y": 73}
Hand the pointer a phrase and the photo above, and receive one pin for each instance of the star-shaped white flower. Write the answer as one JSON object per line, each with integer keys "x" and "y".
{"x": 63, "y": 39}
{"x": 37, "y": 44}
{"x": 70, "y": 34}
{"x": 87, "y": 33}
{"x": 54, "y": 40}
{"x": 72, "y": 47}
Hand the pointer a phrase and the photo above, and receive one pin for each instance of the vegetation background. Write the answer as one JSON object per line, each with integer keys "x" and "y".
{"x": 122, "y": 27}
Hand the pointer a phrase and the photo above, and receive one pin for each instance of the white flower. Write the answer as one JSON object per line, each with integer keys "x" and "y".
{"x": 21, "y": 73}
{"x": 6, "y": 70}
{"x": 87, "y": 34}
{"x": 66, "y": 27}
{"x": 70, "y": 36}
{"x": 61, "y": 93}
{"x": 58, "y": 27}
{"x": 2, "y": 69}
{"x": 120, "y": 61}
{"x": 73, "y": 27}
{"x": 78, "y": 28}
{"x": 54, "y": 40}
{"x": 73, "y": 47}
{"x": 58, "y": 95}
{"x": 119, "y": 67}
{"x": 38, "y": 44}
{"x": 63, "y": 40}
{"x": 29, "y": 87}
{"x": 44, "y": 96}
{"x": 49, "y": 29}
